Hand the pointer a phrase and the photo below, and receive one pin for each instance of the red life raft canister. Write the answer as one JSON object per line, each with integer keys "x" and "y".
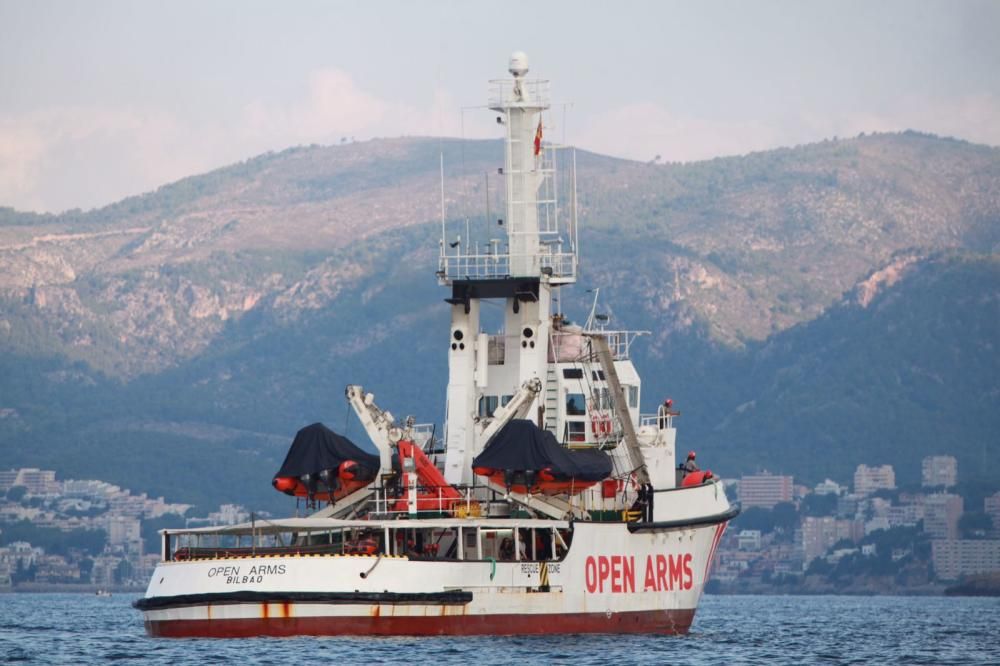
{"x": 696, "y": 478}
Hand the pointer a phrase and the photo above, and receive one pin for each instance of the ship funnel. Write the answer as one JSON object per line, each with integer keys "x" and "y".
{"x": 518, "y": 64}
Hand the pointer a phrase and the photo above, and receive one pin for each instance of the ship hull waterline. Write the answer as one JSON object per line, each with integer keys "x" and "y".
{"x": 665, "y": 622}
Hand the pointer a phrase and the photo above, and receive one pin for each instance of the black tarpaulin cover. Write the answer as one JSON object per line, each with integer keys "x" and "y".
{"x": 316, "y": 448}
{"x": 522, "y": 446}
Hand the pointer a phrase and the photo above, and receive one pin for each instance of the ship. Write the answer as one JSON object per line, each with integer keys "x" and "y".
{"x": 548, "y": 505}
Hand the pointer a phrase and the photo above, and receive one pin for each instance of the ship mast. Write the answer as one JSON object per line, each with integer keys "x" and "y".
{"x": 534, "y": 252}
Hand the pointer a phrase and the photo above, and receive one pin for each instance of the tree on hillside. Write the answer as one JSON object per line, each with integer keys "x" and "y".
{"x": 782, "y": 519}
{"x": 16, "y": 493}
{"x": 814, "y": 504}
{"x": 786, "y": 516}
{"x": 975, "y": 525}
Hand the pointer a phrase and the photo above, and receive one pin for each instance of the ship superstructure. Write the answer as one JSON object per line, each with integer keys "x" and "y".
{"x": 554, "y": 506}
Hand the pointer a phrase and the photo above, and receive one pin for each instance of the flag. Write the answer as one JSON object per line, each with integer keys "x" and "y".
{"x": 538, "y": 137}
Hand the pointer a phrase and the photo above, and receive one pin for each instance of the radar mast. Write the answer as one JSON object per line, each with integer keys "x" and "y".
{"x": 536, "y": 249}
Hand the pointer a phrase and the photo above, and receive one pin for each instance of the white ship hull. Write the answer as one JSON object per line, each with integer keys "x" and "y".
{"x": 612, "y": 580}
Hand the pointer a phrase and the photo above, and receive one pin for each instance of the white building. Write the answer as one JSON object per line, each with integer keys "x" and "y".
{"x": 942, "y": 512}
{"x": 954, "y": 558}
{"x": 229, "y": 514}
{"x": 907, "y": 515}
{"x": 991, "y": 506}
{"x": 765, "y": 490}
{"x": 748, "y": 540}
{"x": 7, "y": 479}
{"x": 869, "y": 479}
{"x": 829, "y": 487}
{"x": 819, "y": 534}
{"x": 123, "y": 530}
{"x": 875, "y": 524}
{"x": 939, "y": 471}
{"x": 89, "y": 489}
{"x": 37, "y": 481}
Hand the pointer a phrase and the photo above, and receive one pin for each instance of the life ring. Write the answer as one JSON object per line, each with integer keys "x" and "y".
{"x": 600, "y": 424}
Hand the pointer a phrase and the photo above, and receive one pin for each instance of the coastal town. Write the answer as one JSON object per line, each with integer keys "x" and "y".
{"x": 867, "y": 536}
{"x": 81, "y": 534}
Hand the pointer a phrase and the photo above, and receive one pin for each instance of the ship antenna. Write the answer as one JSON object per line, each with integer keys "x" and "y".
{"x": 589, "y": 326}
{"x": 442, "y": 193}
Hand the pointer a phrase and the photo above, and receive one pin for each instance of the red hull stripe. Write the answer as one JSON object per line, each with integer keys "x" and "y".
{"x": 644, "y": 622}
{"x": 719, "y": 531}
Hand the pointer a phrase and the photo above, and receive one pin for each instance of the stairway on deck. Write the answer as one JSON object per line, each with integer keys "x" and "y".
{"x": 552, "y": 401}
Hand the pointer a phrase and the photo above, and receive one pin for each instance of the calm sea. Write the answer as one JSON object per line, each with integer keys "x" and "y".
{"x": 84, "y": 629}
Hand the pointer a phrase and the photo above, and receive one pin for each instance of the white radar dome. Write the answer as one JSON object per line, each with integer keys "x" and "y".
{"x": 518, "y": 63}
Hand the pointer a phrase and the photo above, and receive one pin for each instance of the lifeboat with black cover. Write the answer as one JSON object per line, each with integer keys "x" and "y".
{"x": 322, "y": 465}
{"x": 526, "y": 459}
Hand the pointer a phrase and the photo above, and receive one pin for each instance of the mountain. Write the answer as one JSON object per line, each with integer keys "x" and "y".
{"x": 811, "y": 308}
{"x": 891, "y": 374}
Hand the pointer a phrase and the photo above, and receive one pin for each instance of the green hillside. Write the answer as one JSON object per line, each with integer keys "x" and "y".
{"x": 914, "y": 373}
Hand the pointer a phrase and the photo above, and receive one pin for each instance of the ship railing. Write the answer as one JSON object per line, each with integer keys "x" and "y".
{"x": 432, "y": 500}
{"x": 533, "y": 93}
{"x": 660, "y": 420}
{"x": 575, "y": 346}
{"x": 544, "y": 540}
{"x": 558, "y": 265}
{"x": 474, "y": 501}
{"x": 422, "y": 434}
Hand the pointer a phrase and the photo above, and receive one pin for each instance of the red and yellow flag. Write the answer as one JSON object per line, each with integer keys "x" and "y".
{"x": 538, "y": 137}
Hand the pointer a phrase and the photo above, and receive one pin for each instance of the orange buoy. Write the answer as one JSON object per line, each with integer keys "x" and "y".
{"x": 285, "y": 484}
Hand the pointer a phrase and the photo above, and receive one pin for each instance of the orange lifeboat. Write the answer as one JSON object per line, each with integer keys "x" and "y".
{"x": 527, "y": 459}
{"x": 543, "y": 482}
{"x": 322, "y": 465}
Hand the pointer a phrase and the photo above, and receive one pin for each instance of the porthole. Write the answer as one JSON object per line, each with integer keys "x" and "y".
{"x": 454, "y": 346}
{"x": 527, "y": 332}
{"x": 458, "y": 335}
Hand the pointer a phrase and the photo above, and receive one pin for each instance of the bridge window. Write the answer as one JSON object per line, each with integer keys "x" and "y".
{"x": 598, "y": 375}
{"x": 573, "y": 373}
{"x": 633, "y": 397}
{"x": 487, "y": 405}
{"x": 602, "y": 398}
{"x": 576, "y": 405}
{"x": 576, "y": 431}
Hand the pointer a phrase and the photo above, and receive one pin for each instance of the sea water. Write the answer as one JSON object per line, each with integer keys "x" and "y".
{"x": 85, "y": 629}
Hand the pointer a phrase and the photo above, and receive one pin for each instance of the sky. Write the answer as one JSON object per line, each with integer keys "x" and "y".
{"x": 104, "y": 99}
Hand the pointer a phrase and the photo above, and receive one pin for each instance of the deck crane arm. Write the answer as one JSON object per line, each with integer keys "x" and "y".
{"x": 417, "y": 469}
{"x": 378, "y": 423}
{"x": 517, "y": 408}
{"x": 384, "y": 433}
{"x": 631, "y": 441}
